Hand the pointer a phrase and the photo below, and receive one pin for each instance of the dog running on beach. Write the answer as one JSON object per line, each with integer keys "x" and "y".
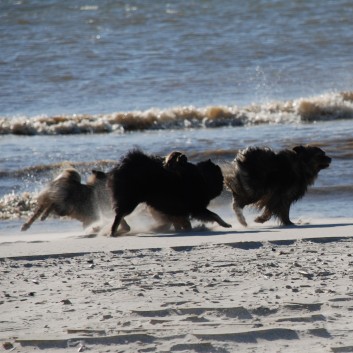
{"x": 174, "y": 187}
{"x": 177, "y": 162}
{"x": 272, "y": 181}
{"x": 67, "y": 196}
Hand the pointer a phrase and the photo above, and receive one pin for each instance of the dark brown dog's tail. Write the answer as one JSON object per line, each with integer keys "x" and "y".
{"x": 228, "y": 172}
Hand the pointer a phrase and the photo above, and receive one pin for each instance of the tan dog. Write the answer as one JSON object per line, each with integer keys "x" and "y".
{"x": 67, "y": 196}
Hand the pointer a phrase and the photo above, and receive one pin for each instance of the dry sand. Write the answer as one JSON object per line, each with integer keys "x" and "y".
{"x": 261, "y": 289}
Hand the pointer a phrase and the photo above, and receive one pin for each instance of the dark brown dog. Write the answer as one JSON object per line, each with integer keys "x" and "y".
{"x": 177, "y": 162}
{"x": 178, "y": 193}
{"x": 272, "y": 181}
{"x": 66, "y": 196}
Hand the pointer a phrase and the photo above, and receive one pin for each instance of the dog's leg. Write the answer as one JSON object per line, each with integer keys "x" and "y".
{"x": 220, "y": 221}
{"x": 208, "y": 216}
{"x": 119, "y": 220}
{"x": 283, "y": 215}
{"x": 266, "y": 215}
{"x": 239, "y": 212}
{"x": 46, "y": 213}
{"x": 36, "y": 214}
{"x": 179, "y": 224}
{"x": 124, "y": 226}
{"x": 163, "y": 221}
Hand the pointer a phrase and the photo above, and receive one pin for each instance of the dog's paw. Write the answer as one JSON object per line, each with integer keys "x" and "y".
{"x": 243, "y": 223}
{"x": 227, "y": 225}
{"x": 288, "y": 225}
{"x": 24, "y": 227}
{"x": 260, "y": 219}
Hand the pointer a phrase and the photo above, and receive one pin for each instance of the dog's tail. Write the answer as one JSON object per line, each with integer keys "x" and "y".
{"x": 228, "y": 171}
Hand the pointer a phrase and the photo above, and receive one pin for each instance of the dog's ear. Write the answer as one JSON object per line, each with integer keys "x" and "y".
{"x": 299, "y": 149}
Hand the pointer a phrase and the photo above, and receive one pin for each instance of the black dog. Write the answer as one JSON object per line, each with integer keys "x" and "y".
{"x": 178, "y": 190}
{"x": 273, "y": 181}
{"x": 212, "y": 176}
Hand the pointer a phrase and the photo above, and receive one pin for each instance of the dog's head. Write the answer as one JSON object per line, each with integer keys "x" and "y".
{"x": 313, "y": 157}
{"x": 175, "y": 160}
{"x": 213, "y": 177}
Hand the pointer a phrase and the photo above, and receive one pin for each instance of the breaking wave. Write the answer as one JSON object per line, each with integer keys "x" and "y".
{"x": 326, "y": 107}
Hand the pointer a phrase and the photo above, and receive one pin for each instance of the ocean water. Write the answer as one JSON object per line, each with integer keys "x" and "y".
{"x": 83, "y": 82}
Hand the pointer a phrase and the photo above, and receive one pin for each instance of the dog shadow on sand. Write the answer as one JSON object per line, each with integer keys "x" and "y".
{"x": 202, "y": 232}
{"x": 314, "y": 226}
{"x": 206, "y": 232}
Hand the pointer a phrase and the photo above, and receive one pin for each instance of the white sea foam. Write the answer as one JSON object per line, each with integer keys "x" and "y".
{"x": 310, "y": 109}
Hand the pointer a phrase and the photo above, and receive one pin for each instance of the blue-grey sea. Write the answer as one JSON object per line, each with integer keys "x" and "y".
{"x": 84, "y": 81}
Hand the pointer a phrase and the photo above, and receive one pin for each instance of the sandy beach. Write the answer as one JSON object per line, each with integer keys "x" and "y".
{"x": 260, "y": 289}
{"x": 83, "y": 83}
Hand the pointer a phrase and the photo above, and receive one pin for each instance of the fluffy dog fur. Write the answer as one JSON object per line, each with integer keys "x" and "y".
{"x": 272, "y": 181}
{"x": 176, "y": 188}
{"x": 174, "y": 162}
{"x": 178, "y": 163}
{"x": 66, "y": 196}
